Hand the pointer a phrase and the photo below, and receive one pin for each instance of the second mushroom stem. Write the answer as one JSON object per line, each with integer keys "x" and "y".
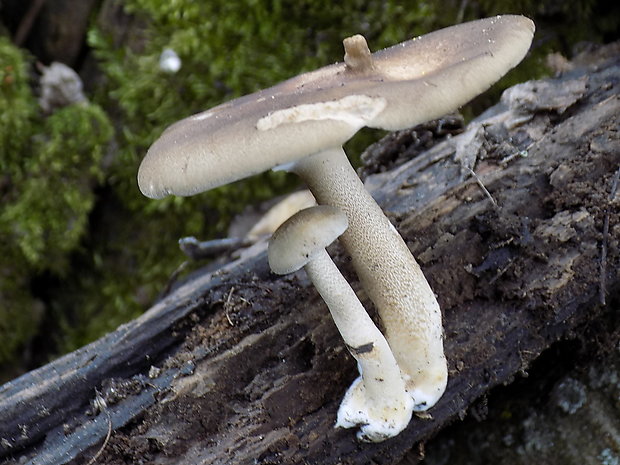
{"x": 380, "y": 401}
{"x": 388, "y": 272}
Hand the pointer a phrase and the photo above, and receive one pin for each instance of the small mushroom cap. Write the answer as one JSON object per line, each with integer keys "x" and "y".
{"x": 303, "y": 236}
{"x": 281, "y": 212}
{"x": 407, "y": 84}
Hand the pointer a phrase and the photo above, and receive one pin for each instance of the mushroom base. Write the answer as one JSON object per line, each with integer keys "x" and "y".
{"x": 377, "y": 400}
{"x": 377, "y": 424}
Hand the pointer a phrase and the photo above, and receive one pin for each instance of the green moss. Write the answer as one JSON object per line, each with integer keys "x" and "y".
{"x": 50, "y": 166}
{"x": 20, "y": 312}
{"x": 18, "y": 107}
{"x": 50, "y": 201}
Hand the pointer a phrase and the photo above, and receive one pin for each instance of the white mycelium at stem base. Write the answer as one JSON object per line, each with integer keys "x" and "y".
{"x": 377, "y": 400}
{"x": 388, "y": 272}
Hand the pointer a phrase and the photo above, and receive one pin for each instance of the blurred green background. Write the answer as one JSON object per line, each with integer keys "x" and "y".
{"x": 82, "y": 251}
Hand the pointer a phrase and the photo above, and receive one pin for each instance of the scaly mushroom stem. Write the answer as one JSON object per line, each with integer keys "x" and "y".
{"x": 378, "y": 401}
{"x": 388, "y": 272}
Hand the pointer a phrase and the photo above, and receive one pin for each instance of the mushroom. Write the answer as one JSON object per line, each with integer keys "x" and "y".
{"x": 280, "y": 212}
{"x": 377, "y": 400}
{"x": 301, "y": 124}
{"x": 388, "y": 272}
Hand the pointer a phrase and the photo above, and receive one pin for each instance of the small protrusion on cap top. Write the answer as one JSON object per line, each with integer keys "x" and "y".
{"x": 357, "y": 55}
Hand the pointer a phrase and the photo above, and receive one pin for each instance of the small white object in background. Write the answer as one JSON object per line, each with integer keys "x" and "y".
{"x": 169, "y": 61}
{"x": 60, "y": 86}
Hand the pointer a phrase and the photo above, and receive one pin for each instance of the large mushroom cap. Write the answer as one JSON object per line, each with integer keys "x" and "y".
{"x": 303, "y": 235}
{"x": 398, "y": 87}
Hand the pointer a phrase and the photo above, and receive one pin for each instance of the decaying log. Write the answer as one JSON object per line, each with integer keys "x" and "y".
{"x": 516, "y": 224}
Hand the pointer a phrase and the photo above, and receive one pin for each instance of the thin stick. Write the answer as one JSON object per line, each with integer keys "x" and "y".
{"x": 482, "y": 186}
{"x": 173, "y": 278}
{"x": 199, "y": 250}
{"x": 101, "y": 405}
{"x": 227, "y": 306}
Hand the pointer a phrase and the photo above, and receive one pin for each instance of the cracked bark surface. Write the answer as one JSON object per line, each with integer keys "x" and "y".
{"x": 238, "y": 365}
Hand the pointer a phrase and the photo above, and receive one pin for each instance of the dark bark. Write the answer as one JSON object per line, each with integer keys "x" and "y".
{"x": 249, "y": 367}
{"x": 51, "y": 30}
{"x": 563, "y": 411}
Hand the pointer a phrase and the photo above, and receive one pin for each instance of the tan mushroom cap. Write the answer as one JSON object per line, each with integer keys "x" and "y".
{"x": 303, "y": 236}
{"x": 398, "y": 87}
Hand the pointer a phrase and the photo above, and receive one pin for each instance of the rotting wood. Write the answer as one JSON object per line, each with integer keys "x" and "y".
{"x": 183, "y": 385}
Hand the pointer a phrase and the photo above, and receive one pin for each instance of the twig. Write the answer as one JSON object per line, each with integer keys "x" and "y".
{"x": 518, "y": 153}
{"x": 227, "y": 305}
{"x": 101, "y": 406}
{"x": 482, "y": 186}
{"x": 500, "y": 272}
{"x": 199, "y": 250}
{"x": 173, "y": 278}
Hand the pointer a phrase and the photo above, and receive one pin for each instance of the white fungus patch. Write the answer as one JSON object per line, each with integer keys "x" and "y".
{"x": 355, "y": 110}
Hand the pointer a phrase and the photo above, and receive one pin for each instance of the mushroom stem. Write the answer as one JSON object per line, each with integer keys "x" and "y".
{"x": 388, "y": 272}
{"x": 378, "y": 401}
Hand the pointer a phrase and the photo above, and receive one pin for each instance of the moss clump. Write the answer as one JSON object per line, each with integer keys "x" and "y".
{"x": 47, "y": 209}
{"x": 49, "y": 168}
{"x": 18, "y": 108}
